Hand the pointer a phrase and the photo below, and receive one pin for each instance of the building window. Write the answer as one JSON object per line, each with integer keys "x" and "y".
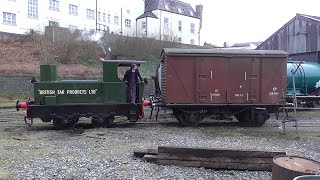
{"x": 192, "y": 28}
{"x": 33, "y": 8}
{"x": 109, "y": 18}
{"x": 166, "y": 23}
{"x": 53, "y": 23}
{"x": 9, "y": 18}
{"x": 73, "y": 27}
{"x": 128, "y": 23}
{"x": 116, "y": 20}
{"x": 73, "y": 9}
{"x": 104, "y": 17}
{"x": 99, "y": 16}
{"x": 143, "y": 25}
{"x": 180, "y": 26}
{"x": 90, "y": 14}
{"x": 179, "y": 40}
{"x": 54, "y": 5}
{"x": 192, "y": 41}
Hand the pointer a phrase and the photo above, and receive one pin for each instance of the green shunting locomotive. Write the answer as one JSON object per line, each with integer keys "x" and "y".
{"x": 65, "y": 101}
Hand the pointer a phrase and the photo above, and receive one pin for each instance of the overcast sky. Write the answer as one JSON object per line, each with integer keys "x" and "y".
{"x": 236, "y": 21}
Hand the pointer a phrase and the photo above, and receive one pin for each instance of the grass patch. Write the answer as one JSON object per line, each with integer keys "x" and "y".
{"x": 13, "y": 97}
{"x": 7, "y": 104}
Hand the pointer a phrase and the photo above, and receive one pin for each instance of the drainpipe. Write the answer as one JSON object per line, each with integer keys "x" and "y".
{"x": 96, "y": 15}
{"x": 136, "y": 27}
{"x": 160, "y": 25}
{"x": 121, "y": 23}
{"x": 146, "y": 27}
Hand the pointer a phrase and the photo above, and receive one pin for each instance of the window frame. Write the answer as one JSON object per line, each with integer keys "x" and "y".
{"x": 192, "y": 41}
{"x": 180, "y": 26}
{"x": 127, "y": 23}
{"x": 33, "y": 9}
{"x": 12, "y": 20}
{"x": 54, "y": 5}
{"x": 166, "y": 24}
{"x": 90, "y": 13}
{"x": 116, "y": 20}
{"x": 73, "y": 9}
{"x": 192, "y": 28}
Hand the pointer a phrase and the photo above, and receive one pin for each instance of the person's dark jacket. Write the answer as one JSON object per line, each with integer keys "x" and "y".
{"x": 128, "y": 74}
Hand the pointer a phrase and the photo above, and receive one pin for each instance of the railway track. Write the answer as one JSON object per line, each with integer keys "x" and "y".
{"x": 166, "y": 119}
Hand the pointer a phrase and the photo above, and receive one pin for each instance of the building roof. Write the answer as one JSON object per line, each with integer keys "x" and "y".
{"x": 222, "y": 52}
{"x": 209, "y": 45}
{"x": 308, "y": 18}
{"x": 246, "y": 44}
{"x": 147, "y": 14}
{"x": 173, "y": 6}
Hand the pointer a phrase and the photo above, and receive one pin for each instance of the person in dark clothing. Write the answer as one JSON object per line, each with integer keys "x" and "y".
{"x": 131, "y": 78}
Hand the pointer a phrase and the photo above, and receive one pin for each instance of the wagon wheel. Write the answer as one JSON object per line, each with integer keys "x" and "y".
{"x": 65, "y": 122}
{"x": 245, "y": 118}
{"x": 102, "y": 122}
{"x": 189, "y": 119}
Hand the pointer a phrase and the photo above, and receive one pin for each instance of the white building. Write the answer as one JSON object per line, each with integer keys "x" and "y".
{"x": 246, "y": 45}
{"x": 171, "y": 20}
{"x": 120, "y": 17}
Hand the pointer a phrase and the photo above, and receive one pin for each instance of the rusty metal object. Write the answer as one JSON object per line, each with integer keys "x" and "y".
{"x": 289, "y": 167}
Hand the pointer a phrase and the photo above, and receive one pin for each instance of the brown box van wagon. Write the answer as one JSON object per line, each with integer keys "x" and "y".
{"x": 247, "y": 84}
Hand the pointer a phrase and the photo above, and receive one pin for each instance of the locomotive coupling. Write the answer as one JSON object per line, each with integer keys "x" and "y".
{"x": 146, "y": 103}
{"x": 22, "y": 105}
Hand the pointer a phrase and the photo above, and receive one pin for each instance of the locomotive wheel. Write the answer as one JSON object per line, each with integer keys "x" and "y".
{"x": 65, "y": 122}
{"x": 189, "y": 119}
{"x": 245, "y": 118}
{"x": 46, "y": 119}
{"x": 102, "y": 122}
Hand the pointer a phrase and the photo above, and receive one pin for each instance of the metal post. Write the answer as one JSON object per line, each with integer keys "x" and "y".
{"x": 96, "y": 15}
{"x": 295, "y": 103}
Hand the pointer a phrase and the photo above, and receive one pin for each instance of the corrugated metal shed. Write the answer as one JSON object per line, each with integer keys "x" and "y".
{"x": 300, "y": 35}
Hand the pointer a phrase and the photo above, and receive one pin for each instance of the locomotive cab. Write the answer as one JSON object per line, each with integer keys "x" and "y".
{"x": 65, "y": 101}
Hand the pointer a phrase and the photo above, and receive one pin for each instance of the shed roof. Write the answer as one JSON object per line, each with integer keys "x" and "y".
{"x": 173, "y": 6}
{"x": 308, "y": 18}
{"x": 222, "y": 52}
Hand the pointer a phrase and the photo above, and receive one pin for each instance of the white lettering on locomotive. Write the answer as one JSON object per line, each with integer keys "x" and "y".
{"x": 47, "y": 92}
{"x": 68, "y": 92}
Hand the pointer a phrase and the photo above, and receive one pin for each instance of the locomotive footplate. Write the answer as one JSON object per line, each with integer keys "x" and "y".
{"x": 82, "y": 110}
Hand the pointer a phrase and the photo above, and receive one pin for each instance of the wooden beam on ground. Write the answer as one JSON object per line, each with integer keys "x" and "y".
{"x": 209, "y": 152}
{"x": 141, "y": 152}
{"x": 151, "y": 158}
{"x": 217, "y": 165}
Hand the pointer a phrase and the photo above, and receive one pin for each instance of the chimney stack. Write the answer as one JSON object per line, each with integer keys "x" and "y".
{"x": 146, "y": 4}
{"x": 199, "y": 10}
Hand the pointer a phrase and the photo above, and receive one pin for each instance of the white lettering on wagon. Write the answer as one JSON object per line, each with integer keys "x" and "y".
{"x": 69, "y": 92}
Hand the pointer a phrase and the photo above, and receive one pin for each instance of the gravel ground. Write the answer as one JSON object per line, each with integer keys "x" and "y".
{"x": 107, "y": 153}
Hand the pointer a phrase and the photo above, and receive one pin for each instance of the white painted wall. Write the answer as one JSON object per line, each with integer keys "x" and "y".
{"x": 130, "y": 10}
{"x": 156, "y": 27}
